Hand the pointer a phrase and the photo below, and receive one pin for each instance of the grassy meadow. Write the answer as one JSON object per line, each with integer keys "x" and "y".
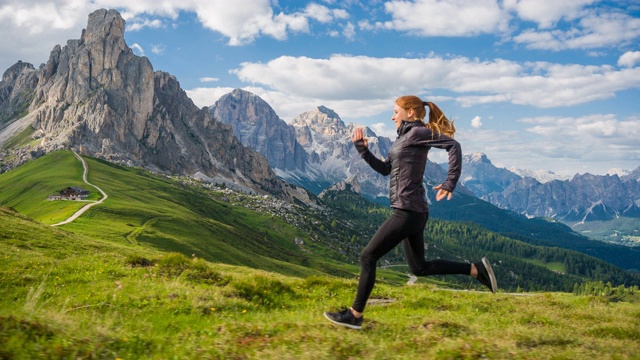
{"x": 163, "y": 271}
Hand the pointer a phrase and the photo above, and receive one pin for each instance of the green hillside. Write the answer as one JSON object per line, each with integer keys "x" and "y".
{"x": 534, "y": 231}
{"x": 27, "y": 188}
{"x": 181, "y": 215}
{"x": 65, "y": 295}
{"x": 146, "y": 210}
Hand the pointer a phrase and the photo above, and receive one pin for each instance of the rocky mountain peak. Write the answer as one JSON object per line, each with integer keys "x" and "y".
{"x": 477, "y": 158}
{"x": 104, "y": 26}
{"x": 14, "y": 71}
{"x": 258, "y": 126}
{"x": 350, "y": 184}
{"x": 328, "y": 112}
{"x": 321, "y": 120}
{"x": 241, "y": 107}
{"x": 633, "y": 175}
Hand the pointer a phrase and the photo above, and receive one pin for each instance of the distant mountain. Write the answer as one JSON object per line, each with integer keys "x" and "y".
{"x": 96, "y": 95}
{"x": 583, "y": 198}
{"x": 542, "y": 176}
{"x": 481, "y": 177}
{"x": 266, "y": 133}
{"x": 328, "y": 155}
{"x": 634, "y": 175}
{"x": 351, "y": 184}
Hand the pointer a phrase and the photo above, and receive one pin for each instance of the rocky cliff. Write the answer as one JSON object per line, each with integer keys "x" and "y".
{"x": 258, "y": 126}
{"x": 96, "y": 95}
{"x": 481, "y": 177}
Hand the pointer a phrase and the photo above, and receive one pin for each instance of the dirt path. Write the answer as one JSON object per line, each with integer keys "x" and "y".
{"x": 86, "y": 207}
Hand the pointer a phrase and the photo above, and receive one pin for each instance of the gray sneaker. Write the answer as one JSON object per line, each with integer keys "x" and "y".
{"x": 345, "y": 318}
{"x": 485, "y": 275}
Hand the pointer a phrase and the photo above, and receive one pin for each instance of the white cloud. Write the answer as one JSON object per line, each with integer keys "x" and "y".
{"x": 140, "y": 24}
{"x": 158, "y": 49}
{"x": 209, "y": 79}
{"x": 547, "y": 12}
{"x": 565, "y": 145}
{"x": 241, "y": 22}
{"x": 476, "y": 122}
{"x": 592, "y": 31}
{"x": 342, "y": 77}
{"x": 207, "y": 96}
{"x": 629, "y": 59}
{"x": 446, "y": 18}
{"x": 382, "y": 129}
{"x": 595, "y": 138}
{"x": 349, "y": 31}
{"x": 30, "y": 29}
{"x": 137, "y": 49}
{"x": 365, "y": 25}
{"x": 39, "y": 17}
{"x": 324, "y": 14}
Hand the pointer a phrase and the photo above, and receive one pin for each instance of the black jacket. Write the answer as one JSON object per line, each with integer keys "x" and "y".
{"x": 407, "y": 160}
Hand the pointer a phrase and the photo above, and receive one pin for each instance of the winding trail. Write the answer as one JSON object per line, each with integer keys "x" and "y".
{"x": 86, "y": 207}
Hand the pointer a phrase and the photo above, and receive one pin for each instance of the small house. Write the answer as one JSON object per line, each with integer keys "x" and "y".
{"x": 70, "y": 193}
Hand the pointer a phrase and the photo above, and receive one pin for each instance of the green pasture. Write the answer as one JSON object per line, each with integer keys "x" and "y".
{"x": 65, "y": 295}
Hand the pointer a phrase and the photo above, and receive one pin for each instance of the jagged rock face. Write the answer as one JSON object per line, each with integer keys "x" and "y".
{"x": 481, "y": 177}
{"x": 634, "y": 175}
{"x": 350, "y": 184}
{"x": 16, "y": 91}
{"x": 584, "y": 198}
{"x": 95, "y": 88}
{"x": 96, "y": 95}
{"x": 256, "y": 125}
{"x": 331, "y": 155}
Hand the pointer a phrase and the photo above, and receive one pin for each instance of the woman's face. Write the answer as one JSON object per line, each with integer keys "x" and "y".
{"x": 400, "y": 114}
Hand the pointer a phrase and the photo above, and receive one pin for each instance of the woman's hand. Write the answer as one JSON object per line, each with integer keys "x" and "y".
{"x": 442, "y": 193}
{"x": 357, "y": 136}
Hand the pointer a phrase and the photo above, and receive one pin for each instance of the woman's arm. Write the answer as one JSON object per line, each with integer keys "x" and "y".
{"x": 361, "y": 144}
{"x": 426, "y": 137}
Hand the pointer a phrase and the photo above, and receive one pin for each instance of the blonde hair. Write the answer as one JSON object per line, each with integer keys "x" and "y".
{"x": 438, "y": 122}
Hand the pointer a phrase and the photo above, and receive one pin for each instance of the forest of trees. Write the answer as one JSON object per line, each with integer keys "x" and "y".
{"x": 519, "y": 265}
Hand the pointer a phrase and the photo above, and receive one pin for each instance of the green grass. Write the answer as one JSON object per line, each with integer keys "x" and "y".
{"x": 553, "y": 266}
{"x": 21, "y": 139}
{"x": 65, "y": 295}
{"x": 27, "y": 188}
{"x": 160, "y": 213}
{"x": 162, "y": 271}
{"x": 622, "y": 230}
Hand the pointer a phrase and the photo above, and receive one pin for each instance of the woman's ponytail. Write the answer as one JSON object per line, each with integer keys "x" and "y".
{"x": 438, "y": 122}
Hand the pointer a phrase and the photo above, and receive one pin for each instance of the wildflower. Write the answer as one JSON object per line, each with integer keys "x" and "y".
{"x": 213, "y": 309}
{"x": 244, "y": 311}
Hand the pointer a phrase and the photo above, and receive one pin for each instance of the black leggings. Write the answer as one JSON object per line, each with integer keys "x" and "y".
{"x": 406, "y": 227}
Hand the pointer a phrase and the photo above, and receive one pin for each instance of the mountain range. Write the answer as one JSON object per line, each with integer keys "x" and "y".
{"x": 585, "y": 197}
{"x": 314, "y": 151}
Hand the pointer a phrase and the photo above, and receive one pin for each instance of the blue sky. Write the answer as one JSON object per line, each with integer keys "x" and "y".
{"x": 534, "y": 84}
